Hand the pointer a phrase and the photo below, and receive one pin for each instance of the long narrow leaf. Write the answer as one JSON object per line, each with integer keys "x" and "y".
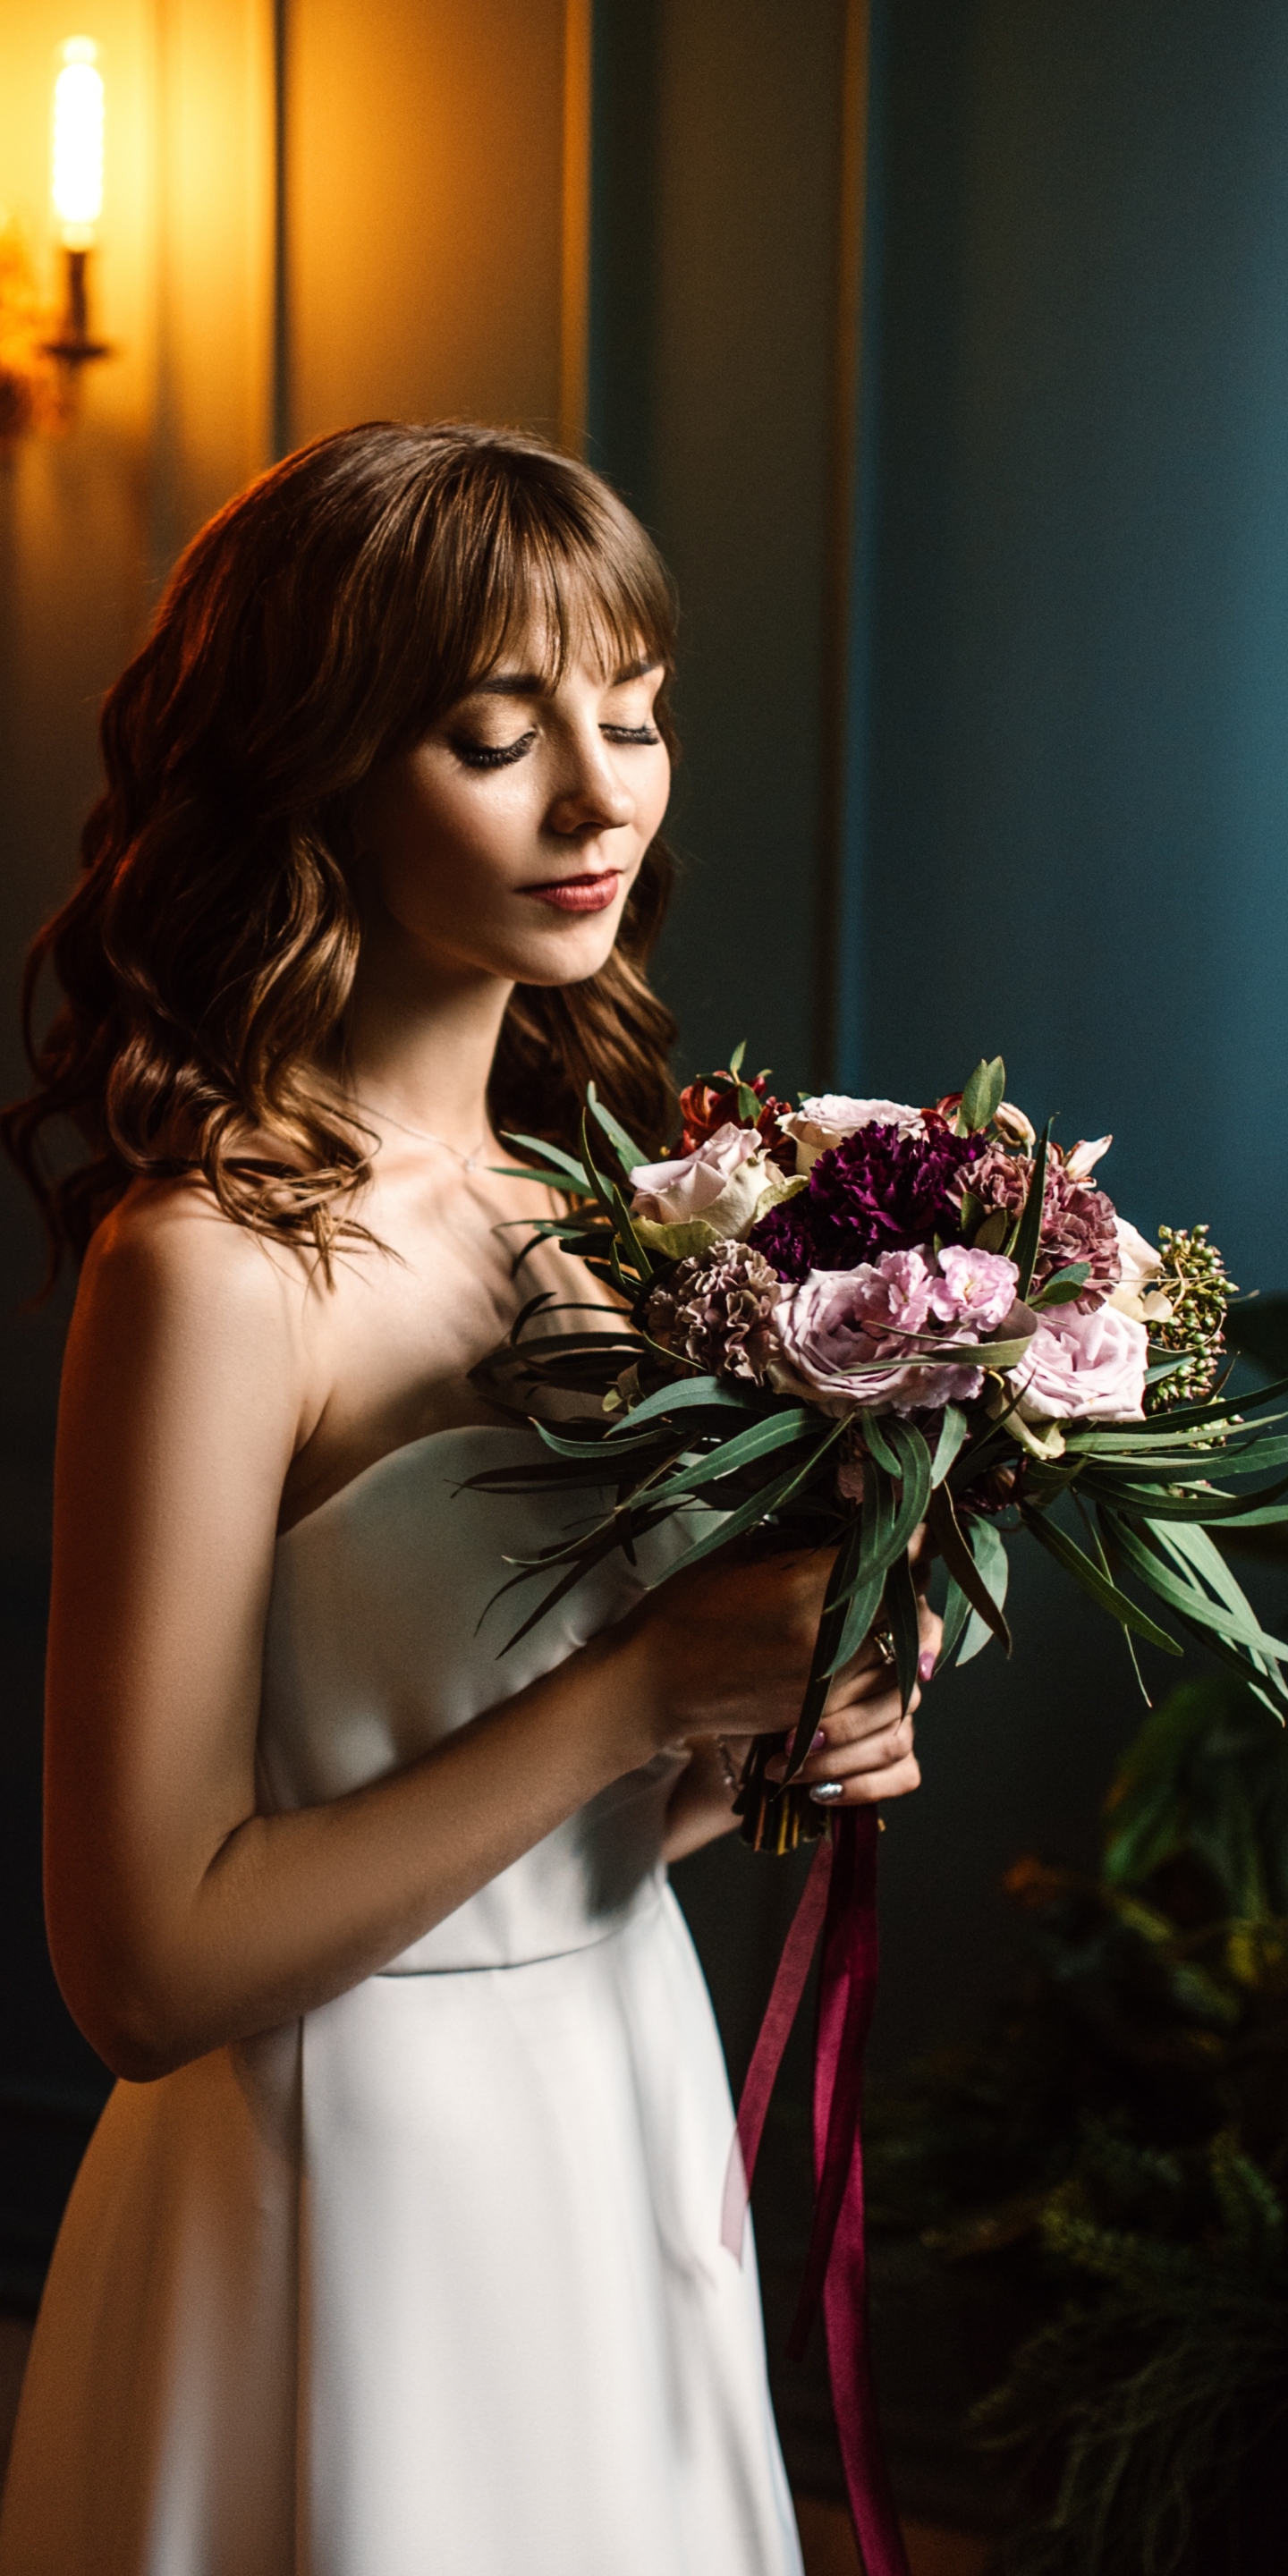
{"x": 554, "y": 1156}
{"x": 952, "y": 1431}
{"x": 628, "y": 1152}
{"x": 860, "y": 1582}
{"x": 628, "y": 1235}
{"x": 711, "y": 1391}
{"x": 749, "y": 1515}
{"x": 1119, "y": 1604}
{"x": 989, "y": 1551}
{"x": 831, "y": 1623}
{"x": 1030, "y": 1227}
{"x": 914, "y": 1467}
{"x": 960, "y": 1561}
{"x": 782, "y": 1431}
{"x": 957, "y": 1611}
{"x": 905, "y": 1628}
{"x": 1240, "y": 1627}
{"x": 593, "y": 1555}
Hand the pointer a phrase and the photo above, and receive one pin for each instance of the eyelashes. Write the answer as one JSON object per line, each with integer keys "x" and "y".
{"x": 478, "y": 755}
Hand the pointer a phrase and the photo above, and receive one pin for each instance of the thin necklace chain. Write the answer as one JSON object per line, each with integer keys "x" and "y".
{"x": 425, "y": 1136}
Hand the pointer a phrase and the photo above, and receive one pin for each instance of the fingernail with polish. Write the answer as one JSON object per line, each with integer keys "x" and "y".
{"x": 926, "y": 1664}
{"x": 827, "y": 1793}
{"x": 818, "y": 1741}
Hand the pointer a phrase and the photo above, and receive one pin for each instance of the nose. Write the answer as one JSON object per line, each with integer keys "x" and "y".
{"x": 591, "y": 796}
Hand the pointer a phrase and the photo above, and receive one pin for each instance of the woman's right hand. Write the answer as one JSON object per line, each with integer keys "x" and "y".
{"x": 726, "y": 1648}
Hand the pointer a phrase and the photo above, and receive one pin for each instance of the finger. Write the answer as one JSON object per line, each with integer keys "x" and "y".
{"x": 868, "y": 1788}
{"x": 834, "y": 1755}
{"x": 855, "y": 1719}
{"x": 871, "y": 1753}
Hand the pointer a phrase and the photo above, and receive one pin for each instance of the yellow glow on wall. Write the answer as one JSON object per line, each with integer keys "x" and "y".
{"x": 78, "y": 142}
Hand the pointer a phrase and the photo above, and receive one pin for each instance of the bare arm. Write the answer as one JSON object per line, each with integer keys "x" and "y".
{"x": 179, "y": 1917}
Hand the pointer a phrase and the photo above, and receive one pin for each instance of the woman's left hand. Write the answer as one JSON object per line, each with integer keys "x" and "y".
{"x": 865, "y": 1741}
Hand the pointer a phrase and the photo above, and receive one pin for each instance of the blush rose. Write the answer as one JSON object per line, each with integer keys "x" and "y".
{"x": 1085, "y": 1367}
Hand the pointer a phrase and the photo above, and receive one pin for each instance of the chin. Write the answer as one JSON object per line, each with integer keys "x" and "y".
{"x": 570, "y": 950}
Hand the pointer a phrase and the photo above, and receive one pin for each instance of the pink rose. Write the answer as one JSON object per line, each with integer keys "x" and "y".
{"x": 1085, "y": 1367}
{"x": 973, "y": 1288}
{"x": 838, "y": 1322}
{"x": 690, "y": 1184}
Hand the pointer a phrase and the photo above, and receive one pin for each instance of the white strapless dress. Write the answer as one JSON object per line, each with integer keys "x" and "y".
{"x": 429, "y": 2283}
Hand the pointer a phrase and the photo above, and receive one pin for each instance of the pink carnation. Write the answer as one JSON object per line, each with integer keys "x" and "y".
{"x": 973, "y": 1287}
{"x": 839, "y": 1325}
{"x": 1085, "y": 1367}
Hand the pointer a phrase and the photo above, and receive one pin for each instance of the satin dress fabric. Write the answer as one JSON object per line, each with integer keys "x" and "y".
{"x": 430, "y": 2282}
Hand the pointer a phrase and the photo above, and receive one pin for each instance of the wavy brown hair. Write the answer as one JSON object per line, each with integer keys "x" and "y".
{"x": 320, "y": 625}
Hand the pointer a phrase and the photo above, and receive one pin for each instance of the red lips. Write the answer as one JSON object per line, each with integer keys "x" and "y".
{"x": 579, "y": 894}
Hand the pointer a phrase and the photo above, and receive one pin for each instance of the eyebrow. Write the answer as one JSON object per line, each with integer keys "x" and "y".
{"x": 534, "y": 684}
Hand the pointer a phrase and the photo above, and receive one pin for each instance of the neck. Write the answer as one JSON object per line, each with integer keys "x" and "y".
{"x": 421, "y": 1037}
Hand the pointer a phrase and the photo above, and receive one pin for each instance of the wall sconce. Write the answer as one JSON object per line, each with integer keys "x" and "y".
{"x": 77, "y": 190}
{"x": 40, "y": 375}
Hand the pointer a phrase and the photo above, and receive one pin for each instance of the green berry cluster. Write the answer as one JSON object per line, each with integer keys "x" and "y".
{"x": 1195, "y": 1283}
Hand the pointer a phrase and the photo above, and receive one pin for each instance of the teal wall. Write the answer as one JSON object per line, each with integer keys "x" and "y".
{"x": 1068, "y": 827}
{"x": 1066, "y": 757}
{"x": 715, "y": 228}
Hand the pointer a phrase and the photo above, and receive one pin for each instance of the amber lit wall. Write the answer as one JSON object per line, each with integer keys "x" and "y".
{"x": 618, "y": 223}
{"x": 363, "y": 213}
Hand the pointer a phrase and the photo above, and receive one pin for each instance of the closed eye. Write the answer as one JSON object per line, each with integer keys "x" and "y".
{"x": 629, "y": 733}
{"x": 487, "y": 755}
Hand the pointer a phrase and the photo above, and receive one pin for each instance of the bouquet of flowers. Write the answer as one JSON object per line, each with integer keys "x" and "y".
{"x": 844, "y": 1321}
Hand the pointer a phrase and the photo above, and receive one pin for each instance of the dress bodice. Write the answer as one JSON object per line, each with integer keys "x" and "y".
{"x": 384, "y": 1635}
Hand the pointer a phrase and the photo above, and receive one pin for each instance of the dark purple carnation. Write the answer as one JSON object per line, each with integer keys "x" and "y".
{"x": 875, "y": 1192}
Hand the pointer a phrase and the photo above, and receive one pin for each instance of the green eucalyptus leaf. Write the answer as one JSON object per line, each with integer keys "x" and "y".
{"x": 991, "y": 1235}
{"x": 1063, "y": 1286}
{"x": 982, "y": 1096}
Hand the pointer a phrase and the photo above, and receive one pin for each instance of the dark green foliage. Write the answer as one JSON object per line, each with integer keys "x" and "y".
{"x": 1121, "y": 2149}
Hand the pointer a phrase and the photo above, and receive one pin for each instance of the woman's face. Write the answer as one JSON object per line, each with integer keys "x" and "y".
{"x": 507, "y": 842}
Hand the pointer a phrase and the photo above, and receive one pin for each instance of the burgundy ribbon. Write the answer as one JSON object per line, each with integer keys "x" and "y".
{"x": 840, "y": 1898}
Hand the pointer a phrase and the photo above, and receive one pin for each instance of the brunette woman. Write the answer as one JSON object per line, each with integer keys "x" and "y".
{"x": 396, "y": 2251}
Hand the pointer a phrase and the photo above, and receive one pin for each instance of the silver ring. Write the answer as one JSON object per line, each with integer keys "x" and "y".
{"x": 827, "y": 1793}
{"x": 728, "y": 1771}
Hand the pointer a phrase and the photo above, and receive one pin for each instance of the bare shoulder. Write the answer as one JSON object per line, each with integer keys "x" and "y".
{"x": 170, "y": 1281}
{"x": 172, "y": 1239}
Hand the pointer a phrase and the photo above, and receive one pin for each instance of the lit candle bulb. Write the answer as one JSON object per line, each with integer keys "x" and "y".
{"x": 78, "y": 142}
{"x": 77, "y": 183}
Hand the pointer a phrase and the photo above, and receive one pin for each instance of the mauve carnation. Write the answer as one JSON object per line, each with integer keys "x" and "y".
{"x": 878, "y": 1191}
{"x": 1078, "y": 1222}
{"x": 716, "y": 1309}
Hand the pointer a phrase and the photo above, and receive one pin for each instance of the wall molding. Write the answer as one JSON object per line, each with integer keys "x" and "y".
{"x": 839, "y": 574}
{"x": 574, "y": 348}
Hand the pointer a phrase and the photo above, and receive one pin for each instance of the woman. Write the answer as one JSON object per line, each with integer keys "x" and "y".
{"x": 396, "y": 2251}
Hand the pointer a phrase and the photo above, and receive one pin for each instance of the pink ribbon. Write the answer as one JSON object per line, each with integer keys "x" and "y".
{"x": 840, "y": 1898}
